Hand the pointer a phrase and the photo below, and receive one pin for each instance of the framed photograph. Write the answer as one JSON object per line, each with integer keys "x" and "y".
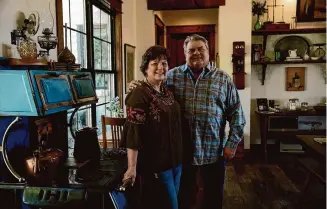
{"x": 262, "y": 104}
{"x": 129, "y": 64}
{"x": 257, "y": 53}
{"x": 310, "y": 10}
{"x": 295, "y": 78}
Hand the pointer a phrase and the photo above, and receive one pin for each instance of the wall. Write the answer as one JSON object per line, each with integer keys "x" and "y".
{"x": 232, "y": 28}
{"x": 191, "y": 17}
{"x": 145, "y": 34}
{"x": 289, "y": 12}
{"x": 138, "y": 29}
{"x": 10, "y": 10}
{"x": 274, "y": 88}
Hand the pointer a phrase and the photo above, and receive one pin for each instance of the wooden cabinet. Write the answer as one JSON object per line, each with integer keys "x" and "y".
{"x": 183, "y": 4}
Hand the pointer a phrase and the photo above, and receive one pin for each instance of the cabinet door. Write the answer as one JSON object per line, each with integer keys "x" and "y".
{"x": 83, "y": 87}
{"x": 16, "y": 97}
{"x": 54, "y": 91}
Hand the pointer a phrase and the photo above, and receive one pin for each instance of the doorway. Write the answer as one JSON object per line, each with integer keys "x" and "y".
{"x": 176, "y": 36}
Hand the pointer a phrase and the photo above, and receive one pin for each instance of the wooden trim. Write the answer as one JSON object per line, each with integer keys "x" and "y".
{"x": 183, "y": 4}
{"x": 158, "y": 23}
{"x": 116, "y": 4}
{"x": 119, "y": 56}
{"x": 191, "y": 29}
{"x": 104, "y": 131}
{"x": 60, "y": 29}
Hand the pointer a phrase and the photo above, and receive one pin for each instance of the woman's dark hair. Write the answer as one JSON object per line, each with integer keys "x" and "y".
{"x": 153, "y": 53}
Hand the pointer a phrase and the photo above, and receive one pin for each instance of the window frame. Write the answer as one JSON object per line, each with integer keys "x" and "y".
{"x": 116, "y": 52}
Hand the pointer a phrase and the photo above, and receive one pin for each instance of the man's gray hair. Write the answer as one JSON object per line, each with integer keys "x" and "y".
{"x": 195, "y": 37}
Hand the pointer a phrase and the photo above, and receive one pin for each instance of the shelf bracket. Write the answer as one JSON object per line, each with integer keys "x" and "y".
{"x": 263, "y": 75}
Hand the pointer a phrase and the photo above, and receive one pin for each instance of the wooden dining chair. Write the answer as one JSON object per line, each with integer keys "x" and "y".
{"x": 116, "y": 125}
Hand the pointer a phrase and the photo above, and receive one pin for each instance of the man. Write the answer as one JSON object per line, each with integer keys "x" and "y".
{"x": 208, "y": 98}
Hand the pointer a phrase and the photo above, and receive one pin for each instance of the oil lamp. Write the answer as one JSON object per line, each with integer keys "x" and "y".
{"x": 47, "y": 41}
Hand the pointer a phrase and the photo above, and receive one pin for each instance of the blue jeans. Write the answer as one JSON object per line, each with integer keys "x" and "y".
{"x": 160, "y": 190}
{"x": 171, "y": 179}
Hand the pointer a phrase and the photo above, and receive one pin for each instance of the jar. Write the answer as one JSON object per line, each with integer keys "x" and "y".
{"x": 304, "y": 106}
{"x": 27, "y": 50}
{"x": 293, "y": 104}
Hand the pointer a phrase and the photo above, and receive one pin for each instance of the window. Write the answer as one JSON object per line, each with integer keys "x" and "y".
{"x": 90, "y": 27}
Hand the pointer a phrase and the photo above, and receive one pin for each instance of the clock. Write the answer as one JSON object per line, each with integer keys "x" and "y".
{"x": 320, "y": 53}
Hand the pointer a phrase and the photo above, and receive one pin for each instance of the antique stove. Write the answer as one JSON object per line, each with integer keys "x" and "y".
{"x": 35, "y": 170}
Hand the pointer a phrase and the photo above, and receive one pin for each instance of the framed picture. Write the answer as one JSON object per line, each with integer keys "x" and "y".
{"x": 295, "y": 79}
{"x": 257, "y": 52}
{"x": 262, "y": 104}
{"x": 129, "y": 64}
{"x": 310, "y": 10}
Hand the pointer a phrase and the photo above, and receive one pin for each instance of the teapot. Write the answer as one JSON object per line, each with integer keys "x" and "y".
{"x": 292, "y": 53}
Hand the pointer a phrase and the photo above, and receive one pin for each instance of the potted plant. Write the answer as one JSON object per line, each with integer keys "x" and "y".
{"x": 258, "y": 9}
{"x": 114, "y": 108}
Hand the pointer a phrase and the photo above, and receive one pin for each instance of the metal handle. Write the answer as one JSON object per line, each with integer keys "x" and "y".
{"x": 71, "y": 123}
{"x": 53, "y": 74}
{"x": 4, "y": 151}
{"x": 81, "y": 76}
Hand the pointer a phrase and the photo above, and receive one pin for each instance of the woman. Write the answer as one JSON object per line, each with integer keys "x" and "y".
{"x": 153, "y": 134}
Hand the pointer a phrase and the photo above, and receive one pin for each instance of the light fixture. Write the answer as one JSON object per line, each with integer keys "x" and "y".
{"x": 47, "y": 41}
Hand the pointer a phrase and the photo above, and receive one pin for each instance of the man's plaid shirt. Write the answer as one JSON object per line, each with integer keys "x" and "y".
{"x": 206, "y": 105}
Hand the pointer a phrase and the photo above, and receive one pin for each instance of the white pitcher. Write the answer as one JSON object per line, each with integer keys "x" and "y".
{"x": 292, "y": 53}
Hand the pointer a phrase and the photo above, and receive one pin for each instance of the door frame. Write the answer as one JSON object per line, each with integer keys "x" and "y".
{"x": 158, "y": 24}
{"x": 171, "y": 30}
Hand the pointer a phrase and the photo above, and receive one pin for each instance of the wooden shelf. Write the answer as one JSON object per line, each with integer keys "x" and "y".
{"x": 265, "y": 64}
{"x": 289, "y": 62}
{"x": 292, "y": 31}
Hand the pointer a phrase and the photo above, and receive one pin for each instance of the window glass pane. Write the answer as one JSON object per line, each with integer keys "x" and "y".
{"x": 106, "y": 59}
{"x": 79, "y": 48}
{"x": 105, "y": 26}
{"x": 97, "y": 54}
{"x": 105, "y": 87}
{"x": 77, "y": 10}
{"x": 101, "y": 84}
{"x": 96, "y": 22}
{"x": 110, "y": 91}
{"x": 65, "y": 11}
{"x": 101, "y": 110}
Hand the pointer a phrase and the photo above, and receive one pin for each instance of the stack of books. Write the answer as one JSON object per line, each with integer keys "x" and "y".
{"x": 291, "y": 59}
{"x": 64, "y": 66}
{"x": 291, "y": 147}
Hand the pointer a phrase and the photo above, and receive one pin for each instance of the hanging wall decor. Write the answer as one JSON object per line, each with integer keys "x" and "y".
{"x": 129, "y": 52}
{"x": 238, "y": 64}
{"x": 295, "y": 79}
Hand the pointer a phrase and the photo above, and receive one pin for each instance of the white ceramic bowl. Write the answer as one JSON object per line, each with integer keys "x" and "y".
{"x": 314, "y": 58}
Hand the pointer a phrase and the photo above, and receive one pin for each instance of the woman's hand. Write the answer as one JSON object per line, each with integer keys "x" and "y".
{"x": 130, "y": 174}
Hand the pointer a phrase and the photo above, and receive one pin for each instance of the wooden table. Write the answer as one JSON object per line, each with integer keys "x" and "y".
{"x": 318, "y": 149}
{"x": 264, "y": 117}
{"x": 314, "y": 162}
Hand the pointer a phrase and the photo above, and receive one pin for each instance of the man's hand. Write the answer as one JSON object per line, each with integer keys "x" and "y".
{"x": 228, "y": 153}
{"x": 133, "y": 84}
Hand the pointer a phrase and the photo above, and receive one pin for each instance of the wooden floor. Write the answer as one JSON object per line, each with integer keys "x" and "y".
{"x": 266, "y": 186}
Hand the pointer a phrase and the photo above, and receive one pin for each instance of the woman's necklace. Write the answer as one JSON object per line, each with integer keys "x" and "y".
{"x": 155, "y": 88}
